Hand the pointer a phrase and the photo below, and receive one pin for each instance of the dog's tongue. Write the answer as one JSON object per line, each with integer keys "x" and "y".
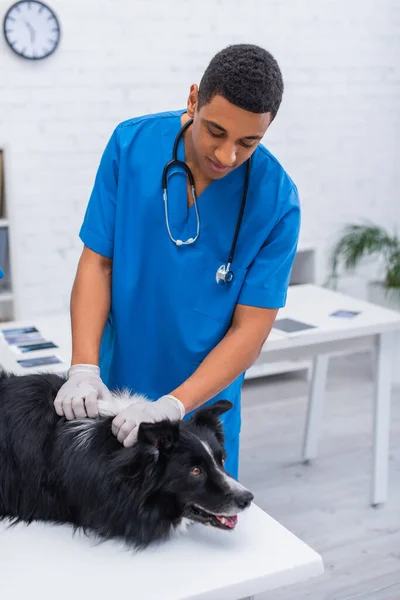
{"x": 228, "y": 521}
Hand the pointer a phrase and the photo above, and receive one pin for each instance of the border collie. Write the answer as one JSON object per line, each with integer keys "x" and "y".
{"x": 77, "y": 472}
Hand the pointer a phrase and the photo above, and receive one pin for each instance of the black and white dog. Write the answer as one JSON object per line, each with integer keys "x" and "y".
{"x": 77, "y": 472}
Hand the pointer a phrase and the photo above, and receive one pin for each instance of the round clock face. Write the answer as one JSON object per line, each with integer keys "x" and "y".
{"x": 31, "y": 29}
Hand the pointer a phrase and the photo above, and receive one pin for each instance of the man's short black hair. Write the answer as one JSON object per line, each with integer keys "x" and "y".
{"x": 247, "y": 76}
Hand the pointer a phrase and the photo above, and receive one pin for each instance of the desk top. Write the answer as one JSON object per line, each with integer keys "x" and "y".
{"x": 315, "y": 305}
{"x": 203, "y": 564}
{"x": 309, "y": 304}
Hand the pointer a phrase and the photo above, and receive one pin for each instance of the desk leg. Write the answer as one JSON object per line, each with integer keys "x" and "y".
{"x": 315, "y": 407}
{"x": 381, "y": 423}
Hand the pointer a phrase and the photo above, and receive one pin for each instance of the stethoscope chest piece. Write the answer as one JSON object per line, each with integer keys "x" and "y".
{"x": 224, "y": 275}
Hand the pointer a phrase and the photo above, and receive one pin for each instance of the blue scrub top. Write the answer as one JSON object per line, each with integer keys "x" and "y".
{"x": 167, "y": 311}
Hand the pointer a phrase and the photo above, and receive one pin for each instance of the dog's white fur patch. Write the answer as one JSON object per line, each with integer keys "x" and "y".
{"x": 182, "y": 528}
{"x": 82, "y": 429}
{"x": 120, "y": 401}
{"x": 230, "y": 482}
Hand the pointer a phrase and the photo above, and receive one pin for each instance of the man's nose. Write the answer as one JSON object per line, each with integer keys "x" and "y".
{"x": 226, "y": 156}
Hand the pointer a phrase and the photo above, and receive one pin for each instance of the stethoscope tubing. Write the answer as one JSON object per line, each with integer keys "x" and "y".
{"x": 224, "y": 273}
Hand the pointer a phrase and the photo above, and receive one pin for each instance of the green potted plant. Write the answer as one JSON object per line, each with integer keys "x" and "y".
{"x": 358, "y": 241}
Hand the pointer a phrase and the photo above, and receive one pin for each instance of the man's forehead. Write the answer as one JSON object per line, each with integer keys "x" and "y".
{"x": 232, "y": 119}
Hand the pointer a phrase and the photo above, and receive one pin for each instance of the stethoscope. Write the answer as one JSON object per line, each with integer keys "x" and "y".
{"x": 224, "y": 273}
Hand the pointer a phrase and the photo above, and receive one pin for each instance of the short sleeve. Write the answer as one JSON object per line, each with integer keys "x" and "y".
{"x": 268, "y": 277}
{"x": 97, "y": 231}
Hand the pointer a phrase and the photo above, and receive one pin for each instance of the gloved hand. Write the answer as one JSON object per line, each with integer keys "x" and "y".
{"x": 78, "y": 397}
{"x": 125, "y": 425}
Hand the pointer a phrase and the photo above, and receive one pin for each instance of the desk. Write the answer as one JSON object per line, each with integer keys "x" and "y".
{"x": 47, "y": 562}
{"x": 373, "y": 327}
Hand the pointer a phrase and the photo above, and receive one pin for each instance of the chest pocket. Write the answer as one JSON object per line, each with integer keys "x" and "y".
{"x": 214, "y": 300}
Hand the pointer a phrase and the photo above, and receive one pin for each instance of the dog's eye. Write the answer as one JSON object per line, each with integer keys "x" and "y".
{"x": 195, "y": 471}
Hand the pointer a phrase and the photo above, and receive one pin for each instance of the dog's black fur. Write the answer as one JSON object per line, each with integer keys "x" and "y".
{"x": 77, "y": 472}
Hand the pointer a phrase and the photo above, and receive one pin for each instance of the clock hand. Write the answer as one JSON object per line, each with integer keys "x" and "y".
{"x": 32, "y": 31}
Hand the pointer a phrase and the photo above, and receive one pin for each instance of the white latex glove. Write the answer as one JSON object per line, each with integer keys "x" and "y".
{"x": 125, "y": 425}
{"x": 78, "y": 397}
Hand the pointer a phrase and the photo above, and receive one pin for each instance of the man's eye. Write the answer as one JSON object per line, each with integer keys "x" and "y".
{"x": 214, "y": 134}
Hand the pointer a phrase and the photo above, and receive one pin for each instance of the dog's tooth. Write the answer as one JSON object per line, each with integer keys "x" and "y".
{"x": 223, "y": 520}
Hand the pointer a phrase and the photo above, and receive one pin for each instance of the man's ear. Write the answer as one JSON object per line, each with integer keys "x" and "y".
{"x": 162, "y": 435}
{"x": 209, "y": 417}
{"x": 192, "y": 100}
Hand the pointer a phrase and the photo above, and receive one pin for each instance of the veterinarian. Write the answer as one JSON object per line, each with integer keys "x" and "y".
{"x": 184, "y": 268}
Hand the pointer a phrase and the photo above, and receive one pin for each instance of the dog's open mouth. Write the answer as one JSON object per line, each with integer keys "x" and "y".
{"x": 196, "y": 513}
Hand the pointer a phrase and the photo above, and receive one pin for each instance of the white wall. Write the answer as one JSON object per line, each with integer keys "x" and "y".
{"x": 337, "y": 132}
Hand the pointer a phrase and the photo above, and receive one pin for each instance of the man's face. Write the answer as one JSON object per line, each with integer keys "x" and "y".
{"x": 225, "y": 136}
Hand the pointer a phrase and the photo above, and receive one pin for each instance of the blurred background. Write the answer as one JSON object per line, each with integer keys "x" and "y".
{"x": 337, "y": 134}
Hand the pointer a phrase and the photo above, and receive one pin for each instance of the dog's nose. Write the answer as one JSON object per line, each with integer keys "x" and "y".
{"x": 245, "y": 499}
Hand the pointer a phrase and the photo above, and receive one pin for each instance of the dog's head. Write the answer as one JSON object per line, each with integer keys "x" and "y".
{"x": 192, "y": 455}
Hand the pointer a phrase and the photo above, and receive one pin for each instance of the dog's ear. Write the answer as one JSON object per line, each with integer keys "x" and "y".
{"x": 209, "y": 417}
{"x": 211, "y": 413}
{"x": 162, "y": 435}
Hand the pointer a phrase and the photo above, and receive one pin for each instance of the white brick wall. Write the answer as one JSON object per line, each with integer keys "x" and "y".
{"x": 337, "y": 132}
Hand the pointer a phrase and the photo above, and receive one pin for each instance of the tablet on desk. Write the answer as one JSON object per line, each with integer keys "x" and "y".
{"x": 35, "y": 346}
{"x": 22, "y": 338}
{"x": 19, "y": 331}
{"x": 39, "y": 361}
{"x": 345, "y": 314}
{"x": 291, "y": 325}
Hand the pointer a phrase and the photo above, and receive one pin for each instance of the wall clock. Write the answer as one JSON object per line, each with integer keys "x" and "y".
{"x": 31, "y": 29}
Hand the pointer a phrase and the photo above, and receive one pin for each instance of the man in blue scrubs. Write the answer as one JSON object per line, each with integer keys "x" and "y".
{"x": 147, "y": 313}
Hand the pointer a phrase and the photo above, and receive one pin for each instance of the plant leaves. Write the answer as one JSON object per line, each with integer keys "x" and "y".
{"x": 358, "y": 241}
